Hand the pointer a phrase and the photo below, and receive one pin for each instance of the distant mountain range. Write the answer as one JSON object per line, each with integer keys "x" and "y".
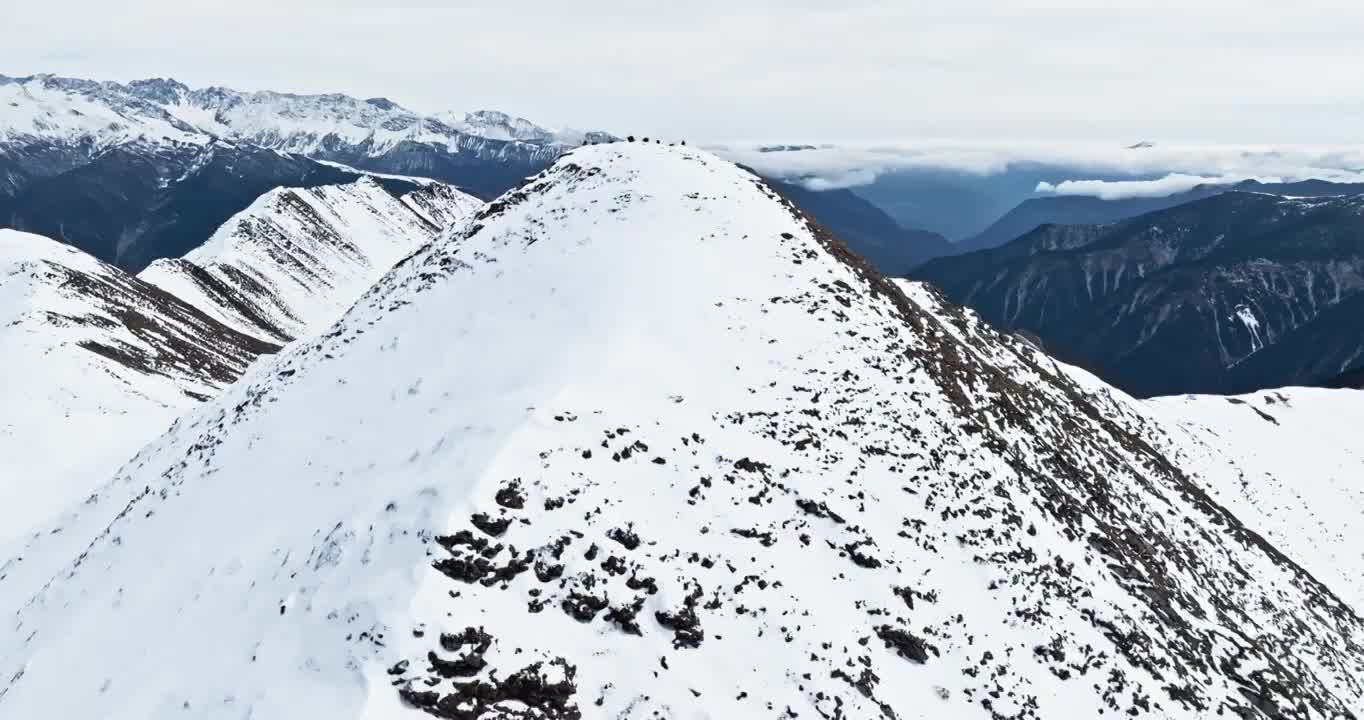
{"x": 1230, "y": 293}
{"x": 134, "y": 172}
{"x": 1085, "y": 209}
{"x": 149, "y": 169}
{"x": 957, "y": 205}
{"x": 77, "y": 116}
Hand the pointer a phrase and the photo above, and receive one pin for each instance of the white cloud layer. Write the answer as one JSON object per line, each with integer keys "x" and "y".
{"x": 1160, "y": 187}
{"x": 1175, "y": 168}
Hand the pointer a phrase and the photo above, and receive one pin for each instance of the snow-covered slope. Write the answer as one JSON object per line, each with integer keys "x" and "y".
{"x": 442, "y": 206}
{"x": 1289, "y": 463}
{"x": 641, "y": 442}
{"x": 297, "y": 258}
{"x": 95, "y": 364}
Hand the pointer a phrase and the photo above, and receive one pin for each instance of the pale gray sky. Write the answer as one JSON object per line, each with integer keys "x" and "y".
{"x": 1195, "y": 71}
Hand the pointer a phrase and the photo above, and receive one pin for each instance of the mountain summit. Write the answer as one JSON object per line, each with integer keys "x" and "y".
{"x": 642, "y": 441}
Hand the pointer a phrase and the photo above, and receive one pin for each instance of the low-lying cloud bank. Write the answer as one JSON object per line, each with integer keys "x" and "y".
{"x": 1160, "y": 187}
{"x": 1146, "y": 171}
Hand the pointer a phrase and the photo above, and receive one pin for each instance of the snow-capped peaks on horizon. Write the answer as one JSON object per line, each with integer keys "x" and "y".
{"x": 47, "y": 107}
{"x": 168, "y": 110}
{"x": 640, "y": 440}
{"x": 296, "y": 258}
{"x": 497, "y": 125}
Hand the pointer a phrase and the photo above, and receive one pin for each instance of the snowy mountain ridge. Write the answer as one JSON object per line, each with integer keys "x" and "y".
{"x": 641, "y": 441}
{"x": 294, "y": 260}
{"x": 105, "y": 361}
{"x": 96, "y": 363}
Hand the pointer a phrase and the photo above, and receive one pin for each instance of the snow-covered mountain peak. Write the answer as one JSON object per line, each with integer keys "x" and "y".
{"x": 497, "y": 125}
{"x": 72, "y": 111}
{"x": 641, "y": 441}
{"x": 160, "y": 90}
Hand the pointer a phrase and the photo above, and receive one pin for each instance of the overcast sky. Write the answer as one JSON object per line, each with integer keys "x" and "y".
{"x": 1195, "y": 71}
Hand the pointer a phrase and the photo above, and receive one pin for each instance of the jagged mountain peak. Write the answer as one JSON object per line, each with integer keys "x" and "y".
{"x": 53, "y": 126}
{"x": 642, "y": 441}
{"x": 69, "y": 110}
{"x": 502, "y": 126}
{"x": 161, "y": 90}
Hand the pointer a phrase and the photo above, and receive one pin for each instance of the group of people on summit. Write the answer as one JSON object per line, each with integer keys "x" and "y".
{"x": 631, "y": 138}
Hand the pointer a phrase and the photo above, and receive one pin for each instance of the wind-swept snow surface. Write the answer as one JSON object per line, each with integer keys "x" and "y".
{"x": 641, "y": 442}
{"x": 1288, "y": 463}
{"x": 95, "y": 364}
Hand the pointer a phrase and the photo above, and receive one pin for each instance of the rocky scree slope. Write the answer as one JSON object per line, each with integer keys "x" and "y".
{"x": 642, "y": 441}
